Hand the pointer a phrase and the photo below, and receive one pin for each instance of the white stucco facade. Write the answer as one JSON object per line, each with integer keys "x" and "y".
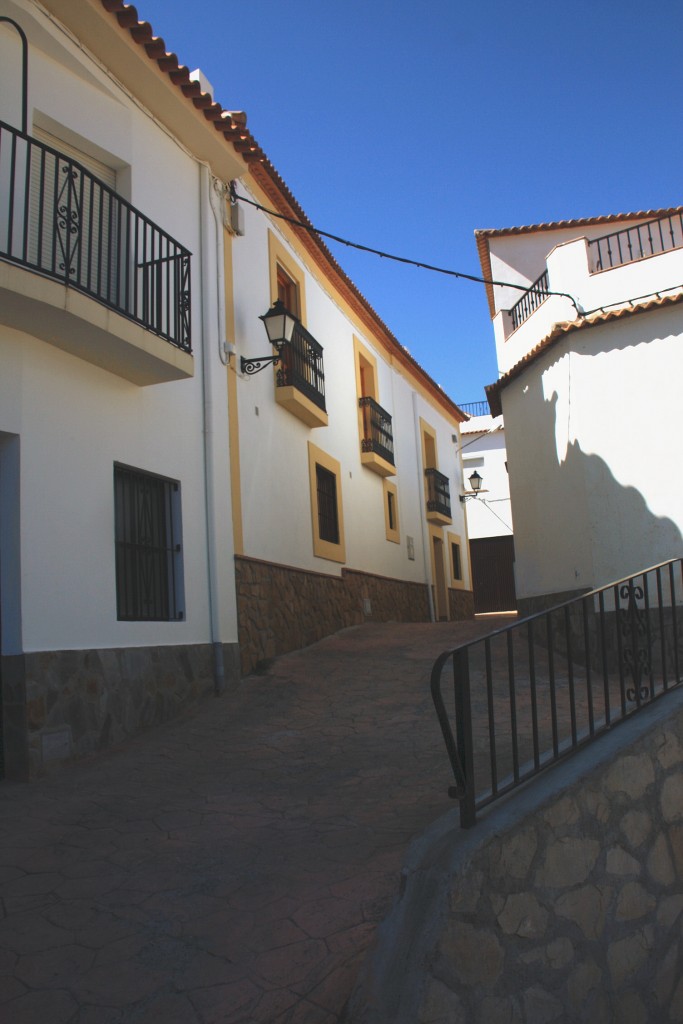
{"x": 483, "y": 450}
{"x": 85, "y": 388}
{"x": 274, "y": 480}
{"x": 589, "y": 401}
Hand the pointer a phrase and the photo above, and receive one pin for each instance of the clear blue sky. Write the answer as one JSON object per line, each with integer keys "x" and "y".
{"x": 406, "y": 125}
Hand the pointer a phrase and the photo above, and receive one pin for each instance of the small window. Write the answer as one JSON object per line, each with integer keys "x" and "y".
{"x": 287, "y": 291}
{"x": 149, "y": 585}
{"x": 391, "y": 524}
{"x": 327, "y": 517}
{"x": 456, "y": 563}
{"x": 328, "y": 524}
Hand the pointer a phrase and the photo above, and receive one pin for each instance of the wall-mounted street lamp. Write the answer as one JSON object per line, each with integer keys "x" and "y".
{"x": 279, "y": 326}
{"x": 475, "y": 483}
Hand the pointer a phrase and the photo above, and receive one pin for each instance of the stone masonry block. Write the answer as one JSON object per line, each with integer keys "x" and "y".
{"x": 631, "y": 775}
{"x": 568, "y": 861}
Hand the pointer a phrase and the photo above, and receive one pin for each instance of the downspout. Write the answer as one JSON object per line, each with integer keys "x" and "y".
{"x": 209, "y": 325}
{"x": 423, "y": 518}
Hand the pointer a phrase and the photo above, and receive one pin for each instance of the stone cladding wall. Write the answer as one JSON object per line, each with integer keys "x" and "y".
{"x": 70, "y": 703}
{"x": 282, "y": 609}
{"x": 571, "y": 913}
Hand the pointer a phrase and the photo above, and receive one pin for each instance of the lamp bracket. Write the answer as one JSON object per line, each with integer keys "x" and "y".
{"x": 252, "y": 366}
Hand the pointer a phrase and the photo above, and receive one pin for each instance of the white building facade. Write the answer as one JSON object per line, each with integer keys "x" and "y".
{"x": 117, "y": 598}
{"x": 489, "y": 512}
{"x": 593, "y": 342}
{"x": 349, "y": 471}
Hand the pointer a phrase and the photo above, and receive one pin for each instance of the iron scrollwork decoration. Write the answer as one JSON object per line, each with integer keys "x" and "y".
{"x": 68, "y": 218}
{"x": 251, "y": 366}
{"x": 636, "y": 652}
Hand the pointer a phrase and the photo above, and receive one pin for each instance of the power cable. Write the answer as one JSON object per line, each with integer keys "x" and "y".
{"x": 398, "y": 259}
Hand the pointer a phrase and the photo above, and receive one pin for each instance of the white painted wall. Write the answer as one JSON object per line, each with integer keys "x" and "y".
{"x": 483, "y": 449}
{"x": 596, "y": 494}
{"x": 74, "y": 420}
{"x": 273, "y": 442}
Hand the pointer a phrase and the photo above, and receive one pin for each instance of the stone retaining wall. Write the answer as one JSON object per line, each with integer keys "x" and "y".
{"x": 572, "y": 911}
{"x": 282, "y": 609}
{"x": 62, "y": 704}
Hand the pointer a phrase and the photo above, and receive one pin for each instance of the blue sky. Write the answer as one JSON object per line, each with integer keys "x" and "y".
{"x": 407, "y": 125}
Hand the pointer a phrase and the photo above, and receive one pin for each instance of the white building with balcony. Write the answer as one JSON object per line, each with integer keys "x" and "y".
{"x": 348, "y": 473}
{"x": 590, "y": 346}
{"x": 117, "y": 597}
{"x": 489, "y": 512}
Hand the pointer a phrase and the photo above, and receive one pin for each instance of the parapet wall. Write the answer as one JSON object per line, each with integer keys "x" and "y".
{"x": 564, "y": 904}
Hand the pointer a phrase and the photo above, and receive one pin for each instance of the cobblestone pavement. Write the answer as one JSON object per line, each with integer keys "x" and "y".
{"x": 232, "y": 866}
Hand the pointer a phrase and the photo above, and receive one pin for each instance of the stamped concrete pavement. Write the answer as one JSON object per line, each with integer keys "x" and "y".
{"x": 231, "y": 866}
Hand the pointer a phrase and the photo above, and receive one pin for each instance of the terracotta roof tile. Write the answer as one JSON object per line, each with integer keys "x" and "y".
{"x": 233, "y": 126}
{"x": 559, "y": 331}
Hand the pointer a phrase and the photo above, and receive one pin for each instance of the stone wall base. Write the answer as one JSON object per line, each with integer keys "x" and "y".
{"x": 562, "y": 904}
{"x": 282, "y": 609}
{"x": 542, "y": 602}
{"x": 63, "y": 704}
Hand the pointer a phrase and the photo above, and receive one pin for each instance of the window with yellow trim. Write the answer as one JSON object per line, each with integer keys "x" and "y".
{"x": 391, "y": 512}
{"x": 456, "y": 559}
{"x": 327, "y": 513}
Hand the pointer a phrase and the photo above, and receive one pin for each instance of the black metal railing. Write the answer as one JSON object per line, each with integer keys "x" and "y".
{"x": 301, "y": 365}
{"x": 475, "y": 408}
{"x": 59, "y": 220}
{"x": 438, "y": 492}
{"x": 527, "y": 696}
{"x": 531, "y": 299}
{"x": 378, "y": 436}
{"x": 635, "y": 243}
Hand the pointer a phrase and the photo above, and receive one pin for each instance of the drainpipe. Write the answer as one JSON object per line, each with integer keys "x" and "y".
{"x": 210, "y": 325}
{"x": 423, "y": 518}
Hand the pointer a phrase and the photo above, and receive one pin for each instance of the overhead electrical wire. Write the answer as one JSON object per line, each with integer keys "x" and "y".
{"x": 311, "y": 229}
{"x": 392, "y": 256}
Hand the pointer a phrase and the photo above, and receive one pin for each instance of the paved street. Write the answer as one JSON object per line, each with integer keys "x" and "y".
{"x": 231, "y": 866}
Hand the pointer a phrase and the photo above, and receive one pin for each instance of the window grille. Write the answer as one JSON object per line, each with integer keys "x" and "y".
{"x": 328, "y": 522}
{"x": 148, "y": 546}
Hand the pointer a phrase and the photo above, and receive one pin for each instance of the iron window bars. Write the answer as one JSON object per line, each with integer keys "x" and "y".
{"x": 148, "y": 547}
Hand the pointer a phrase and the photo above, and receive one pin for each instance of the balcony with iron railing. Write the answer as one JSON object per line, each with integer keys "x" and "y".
{"x": 438, "y": 497}
{"x": 530, "y": 300}
{"x": 377, "y": 439}
{"x": 636, "y": 243}
{"x": 300, "y": 380}
{"x": 67, "y": 229}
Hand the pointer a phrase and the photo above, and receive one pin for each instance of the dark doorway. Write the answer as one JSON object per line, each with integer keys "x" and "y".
{"x": 493, "y": 575}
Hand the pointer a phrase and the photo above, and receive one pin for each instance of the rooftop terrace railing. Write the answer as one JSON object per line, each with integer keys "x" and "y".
{"x": 59, "y": 220}
{"x": 531, "y": 299}
{"x": 527, "y": 696}
{"x": 475, "y": 408}
{"x": 636, "y": 243}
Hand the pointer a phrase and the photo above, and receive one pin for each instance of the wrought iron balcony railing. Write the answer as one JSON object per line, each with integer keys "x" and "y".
{"x": 438, "y": 492}
{"x": 475, "y": 408}
{"x": 60, "y": 221}
{"x": 531, "y": 299}
{"x": 527, "y": 696}
{"x": 301, "y": 366}
{"x": 378, "y": 436}
{"x": 635, "y": 243}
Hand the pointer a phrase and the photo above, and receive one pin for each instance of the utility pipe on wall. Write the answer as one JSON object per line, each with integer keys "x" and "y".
{"x": 209, "y": 330}
{"x": 420, "y": 498}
